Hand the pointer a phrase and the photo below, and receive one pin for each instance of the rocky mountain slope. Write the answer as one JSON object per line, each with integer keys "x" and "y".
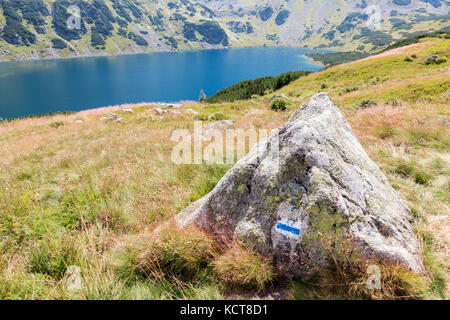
{"x": 32, "y": 29}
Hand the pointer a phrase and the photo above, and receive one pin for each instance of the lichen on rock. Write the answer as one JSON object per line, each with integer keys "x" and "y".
{"x": 320, "y": 192}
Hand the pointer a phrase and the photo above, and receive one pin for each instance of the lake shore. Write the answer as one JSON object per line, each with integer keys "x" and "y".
{"x": 44, "y": 87}
{"x": 68, "y": 115}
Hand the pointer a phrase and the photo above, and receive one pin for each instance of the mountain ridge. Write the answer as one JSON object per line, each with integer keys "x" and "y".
{"x": 37, "y": 29}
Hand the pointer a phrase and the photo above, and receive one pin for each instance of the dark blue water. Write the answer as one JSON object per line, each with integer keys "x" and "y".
{"x": 39, "y": 87}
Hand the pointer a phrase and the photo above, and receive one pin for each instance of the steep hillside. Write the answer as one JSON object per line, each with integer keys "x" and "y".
{"x": 79, "y": 191}
{"x": 31, "y": 29}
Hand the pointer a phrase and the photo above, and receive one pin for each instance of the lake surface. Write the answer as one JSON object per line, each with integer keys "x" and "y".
{"x": 39, "y": 87}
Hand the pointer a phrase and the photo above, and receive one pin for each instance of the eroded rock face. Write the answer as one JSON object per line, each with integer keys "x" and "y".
{"x": 319, "y": 194}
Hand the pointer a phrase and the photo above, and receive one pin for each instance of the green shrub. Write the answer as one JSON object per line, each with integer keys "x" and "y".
{"x": 350, "y": 89}
{"x": 367, "y": 103}
{"x": 279, "y": 104}
{"x": 408, "y": 59}
{"x": 421, "y": 177}
{"x": 56, "y": 124}
{"x": 216, "y": 117}
{"x": 393, "y": 101}
{"x": 409, "y": 169}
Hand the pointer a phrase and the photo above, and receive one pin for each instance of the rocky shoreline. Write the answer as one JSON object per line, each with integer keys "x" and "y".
{"x": 106, "y": 109}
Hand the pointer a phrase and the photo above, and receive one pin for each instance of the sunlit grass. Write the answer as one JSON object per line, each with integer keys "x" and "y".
{"x": 71, "y": 193}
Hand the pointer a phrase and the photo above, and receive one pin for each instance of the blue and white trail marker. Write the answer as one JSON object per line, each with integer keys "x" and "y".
{"x": 290, "y": 229}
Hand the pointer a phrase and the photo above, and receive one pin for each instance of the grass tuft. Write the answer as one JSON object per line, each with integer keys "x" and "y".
{"x": 241, "y": 267}
{"x": 52, "y": 257}
{"x": 176, "y": 251}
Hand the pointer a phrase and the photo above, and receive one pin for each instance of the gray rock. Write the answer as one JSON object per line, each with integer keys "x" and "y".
{"x": 430, "y": 59}
{"x": 112, "y": 117}
{"x": 192, "y": 112}
{"x": 320, "y": 193}
{"x": 224, "y": 124}
{"x": 278, "y": 96}
{"x": 160, "y": 111}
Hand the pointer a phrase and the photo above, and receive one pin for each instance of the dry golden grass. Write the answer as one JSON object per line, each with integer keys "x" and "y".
{"x": 174, "y": 251}
{"x": 244, "y": 268}
{"x": 100, "y": 184}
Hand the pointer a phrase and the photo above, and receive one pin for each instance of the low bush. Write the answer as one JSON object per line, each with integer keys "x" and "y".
{"x": 279, "y": 104}
{"x": 56, "y": 124}
{"x": 216, "y": 117}
{"x": 367, "y": 103}
{"x": 409, "y": 169}
{"x": 421, "y": 177}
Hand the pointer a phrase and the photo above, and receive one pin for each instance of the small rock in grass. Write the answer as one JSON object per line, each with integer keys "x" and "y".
{"x": 112, "y": 117}
{"x": 159, "y": 111}
{"x": 278, "y": 96}
{"x": 192, "y": 112}
{"x": 224, "y": 124}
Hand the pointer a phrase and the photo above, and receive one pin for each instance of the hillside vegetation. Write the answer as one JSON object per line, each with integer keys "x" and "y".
{"x": 33, "y": 29}
{"x": 88, "y": 193}
{"x": 246, "y": 89}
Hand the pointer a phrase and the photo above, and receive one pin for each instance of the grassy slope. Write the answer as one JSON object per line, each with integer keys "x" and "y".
{"x": 72, "y": 193}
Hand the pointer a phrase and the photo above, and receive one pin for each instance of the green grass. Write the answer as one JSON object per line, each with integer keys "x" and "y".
{"x": 89, "y": 194}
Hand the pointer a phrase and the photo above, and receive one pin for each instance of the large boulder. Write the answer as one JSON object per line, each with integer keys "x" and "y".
{"x": 307, "y": 191}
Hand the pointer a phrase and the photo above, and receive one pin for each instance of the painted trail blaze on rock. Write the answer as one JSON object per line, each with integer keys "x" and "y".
{"x": 320, "y": 191}
{"x": 285, "y": 227}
